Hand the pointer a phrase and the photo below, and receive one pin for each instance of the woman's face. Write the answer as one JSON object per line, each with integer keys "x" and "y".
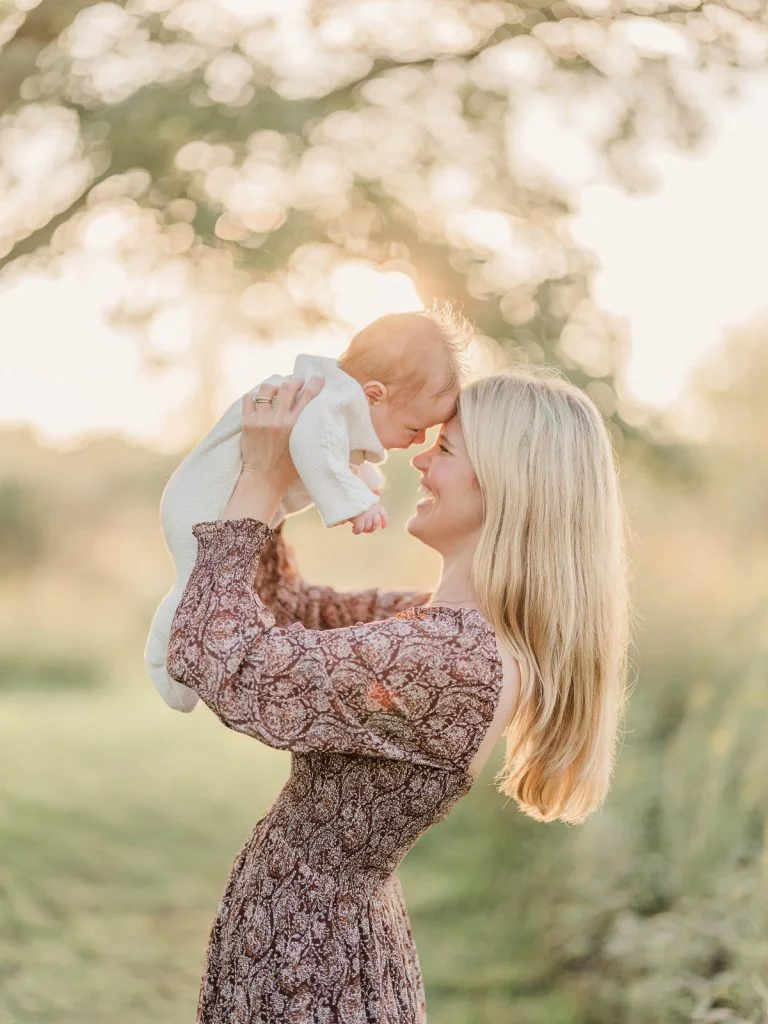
{"x": 450, "y": 515}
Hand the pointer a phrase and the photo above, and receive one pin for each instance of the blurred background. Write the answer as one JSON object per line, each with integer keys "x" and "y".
{"x": 193, "y": 191}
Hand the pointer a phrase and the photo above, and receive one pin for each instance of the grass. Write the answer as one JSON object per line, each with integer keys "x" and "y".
{"x": 118, "y": 823}
{"x": 119, "y": 819}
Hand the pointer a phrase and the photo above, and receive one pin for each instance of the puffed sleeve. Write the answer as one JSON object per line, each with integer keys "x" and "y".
{"x": 289, "y": 597}
{"x": 420, "y": 689}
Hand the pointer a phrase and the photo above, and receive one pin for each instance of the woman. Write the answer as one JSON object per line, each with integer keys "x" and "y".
{"x": 391, "y": 703}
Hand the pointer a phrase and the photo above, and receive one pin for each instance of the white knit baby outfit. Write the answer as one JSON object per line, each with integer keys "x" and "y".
{"x": 332, "y": 443}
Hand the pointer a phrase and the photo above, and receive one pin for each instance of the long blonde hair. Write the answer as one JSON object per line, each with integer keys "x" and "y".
{"x": 550, "y": 575}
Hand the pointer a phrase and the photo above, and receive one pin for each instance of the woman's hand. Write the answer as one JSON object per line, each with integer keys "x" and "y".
{"x": 269, "y": 415}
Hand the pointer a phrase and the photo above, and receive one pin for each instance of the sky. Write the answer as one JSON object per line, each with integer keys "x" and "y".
{"x": 690, "y": 261}
{"x": 680, "y": 265}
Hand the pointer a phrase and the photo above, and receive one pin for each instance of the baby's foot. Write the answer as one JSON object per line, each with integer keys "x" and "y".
{"x": 372, "y": 519}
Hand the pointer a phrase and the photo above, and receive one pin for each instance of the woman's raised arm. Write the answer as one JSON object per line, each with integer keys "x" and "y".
{"x": 419, "y": 689}
{"x": 268, "y": 418}
{"x": 291, "y": 599}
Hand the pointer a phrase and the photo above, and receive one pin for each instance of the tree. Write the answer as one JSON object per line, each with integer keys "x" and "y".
{"x": 251, "y": 152}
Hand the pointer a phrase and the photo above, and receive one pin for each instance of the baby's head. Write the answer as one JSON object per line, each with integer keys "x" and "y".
{"x": 409, "y": 366}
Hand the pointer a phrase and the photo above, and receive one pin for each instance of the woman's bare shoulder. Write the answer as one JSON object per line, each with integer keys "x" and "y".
{"x": 509, "y": 693}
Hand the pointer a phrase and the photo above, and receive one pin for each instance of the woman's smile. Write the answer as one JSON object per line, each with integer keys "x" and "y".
{"x": 428, "y": 499}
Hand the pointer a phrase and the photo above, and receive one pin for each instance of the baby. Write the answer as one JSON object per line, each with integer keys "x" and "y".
{"x": 399, "y": 376}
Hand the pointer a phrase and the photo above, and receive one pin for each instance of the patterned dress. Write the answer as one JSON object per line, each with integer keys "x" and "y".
{"x": 383, "y": 705}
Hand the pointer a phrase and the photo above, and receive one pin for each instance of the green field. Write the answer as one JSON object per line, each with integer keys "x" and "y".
{"x": 119, "y": 820}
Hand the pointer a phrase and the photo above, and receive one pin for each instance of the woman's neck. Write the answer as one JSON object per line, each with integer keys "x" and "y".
{"x": 455, "y": 586}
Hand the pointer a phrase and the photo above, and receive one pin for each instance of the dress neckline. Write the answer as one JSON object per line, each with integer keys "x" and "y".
{"x": 443, "y": 608}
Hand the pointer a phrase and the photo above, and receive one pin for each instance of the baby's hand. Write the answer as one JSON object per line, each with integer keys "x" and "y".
{"x": 370, "y": 520}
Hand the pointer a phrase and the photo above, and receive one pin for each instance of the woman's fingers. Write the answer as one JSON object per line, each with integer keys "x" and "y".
{"x": 295, "y": 394}
{"x": 277, "y": 404}
{"x": 259, "y": 402}
{"x": 311, "y": 389}
{"x": 286, "y": 395}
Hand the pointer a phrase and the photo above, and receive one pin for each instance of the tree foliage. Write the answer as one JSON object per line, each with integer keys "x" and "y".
{"x": 249, "y": 148}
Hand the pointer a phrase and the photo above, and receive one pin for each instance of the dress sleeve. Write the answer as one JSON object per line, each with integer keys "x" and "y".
{"x": 421, "y": 690}
{"x": 291, "y": 599}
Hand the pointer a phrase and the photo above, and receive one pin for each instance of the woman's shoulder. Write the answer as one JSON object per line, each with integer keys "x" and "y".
{"x": 464, "y": 640}
{"x": 436, "y": 666}
{"x": 471, "y": 642}
{"x": 459, "y": 619}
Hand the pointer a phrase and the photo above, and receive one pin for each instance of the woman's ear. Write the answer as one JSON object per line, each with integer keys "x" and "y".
{"x": 375, "y": 391}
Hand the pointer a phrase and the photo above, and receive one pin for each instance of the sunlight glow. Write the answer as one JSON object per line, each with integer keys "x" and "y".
{"x": 68, "y": 373}
{"x": 680, "y": 266}
{"x": 361, "y": 293}
{"x": 688, "y": 261}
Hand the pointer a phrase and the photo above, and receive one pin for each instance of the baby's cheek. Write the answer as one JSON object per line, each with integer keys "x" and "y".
{"x": 390, "y": 431}
{"x": 400, "y": 435}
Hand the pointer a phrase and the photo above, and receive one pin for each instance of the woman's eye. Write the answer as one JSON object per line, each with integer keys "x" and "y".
{"x": 444, "y": 449}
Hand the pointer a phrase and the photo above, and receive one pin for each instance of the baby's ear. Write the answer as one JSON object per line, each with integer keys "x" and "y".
{"x": 375, "y": 391}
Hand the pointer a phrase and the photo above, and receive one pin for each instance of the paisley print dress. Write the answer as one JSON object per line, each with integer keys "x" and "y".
{"x": 383, "y": 704}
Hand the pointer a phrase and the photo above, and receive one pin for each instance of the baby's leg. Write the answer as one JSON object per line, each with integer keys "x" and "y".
{"x": 196, "y": 492}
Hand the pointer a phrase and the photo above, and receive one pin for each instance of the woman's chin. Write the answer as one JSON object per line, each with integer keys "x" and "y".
{"x": 417, "y": 524}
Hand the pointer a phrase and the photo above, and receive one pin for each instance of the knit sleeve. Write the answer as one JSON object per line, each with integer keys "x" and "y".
{"x": 320, "y": 448}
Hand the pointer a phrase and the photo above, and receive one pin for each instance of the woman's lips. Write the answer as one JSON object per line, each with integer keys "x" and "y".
{"x": 428, "y": 499}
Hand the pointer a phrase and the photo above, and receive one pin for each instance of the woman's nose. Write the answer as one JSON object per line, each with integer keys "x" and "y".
{"x": 420, "y": 461}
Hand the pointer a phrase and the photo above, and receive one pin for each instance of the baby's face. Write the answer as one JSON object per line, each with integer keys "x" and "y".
{"x": 401, "y": 424}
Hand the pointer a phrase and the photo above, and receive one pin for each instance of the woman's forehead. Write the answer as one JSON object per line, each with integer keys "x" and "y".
{"x": 452, "y": 429}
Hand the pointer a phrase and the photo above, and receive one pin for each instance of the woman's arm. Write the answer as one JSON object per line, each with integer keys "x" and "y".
{"x": 421, "y": 690}
{"x": 279, "y": 583}
{"x": 290, "y": 598}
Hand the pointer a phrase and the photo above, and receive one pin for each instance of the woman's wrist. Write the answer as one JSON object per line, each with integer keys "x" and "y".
{"x": 254, "y": 497}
